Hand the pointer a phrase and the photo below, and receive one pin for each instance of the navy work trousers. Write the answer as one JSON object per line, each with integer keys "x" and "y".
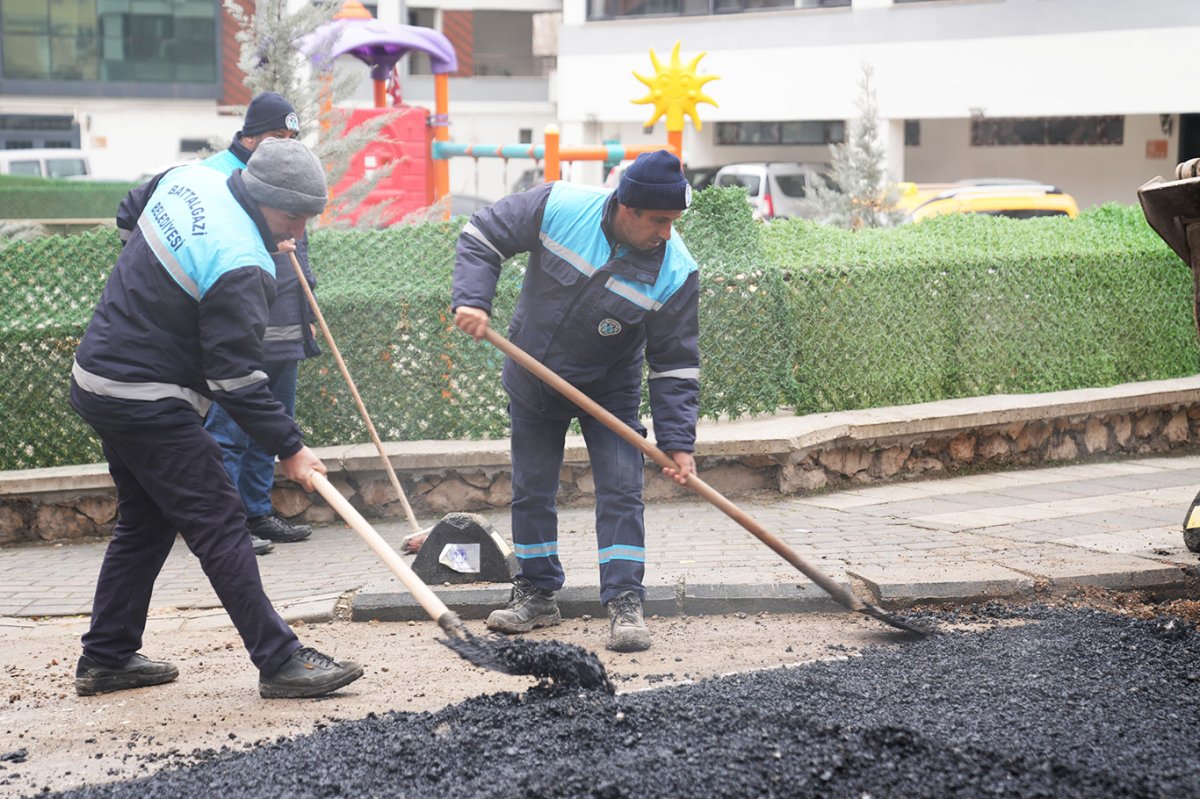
{"x": 537, "y": 458}
{"x": 170, "y": 478}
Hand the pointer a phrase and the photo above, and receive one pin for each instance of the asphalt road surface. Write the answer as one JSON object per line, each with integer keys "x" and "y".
{"x": 1038, "y": 703}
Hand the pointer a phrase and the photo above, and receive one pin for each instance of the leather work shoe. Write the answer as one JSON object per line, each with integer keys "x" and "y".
{"x": 527, "y": 608}
{"x": 261, "y": 545}
{"x": 139, "y": 671}
{"x": 308, "y": 673}
{"x": 274, "y": 527}
{"x": 627, "y": 629}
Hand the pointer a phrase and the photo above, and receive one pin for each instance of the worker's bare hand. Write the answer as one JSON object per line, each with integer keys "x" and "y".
{"x": 684, "y": 466}
{"x": 298, "y": 467}
{"x": 285, "y": 246}
{"x": 473, "y": 321}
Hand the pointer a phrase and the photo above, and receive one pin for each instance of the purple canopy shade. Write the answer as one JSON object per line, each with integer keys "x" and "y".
{"x": 379, "y": 45}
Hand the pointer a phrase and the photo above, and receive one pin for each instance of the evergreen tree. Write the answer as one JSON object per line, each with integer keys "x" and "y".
{"x": 272, "y": 58}
{"x": 858, "y": 194}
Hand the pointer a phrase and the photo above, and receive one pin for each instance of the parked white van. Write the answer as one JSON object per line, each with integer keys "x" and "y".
{"x": 48, "y": 163}
{"x": 775, "y": 188}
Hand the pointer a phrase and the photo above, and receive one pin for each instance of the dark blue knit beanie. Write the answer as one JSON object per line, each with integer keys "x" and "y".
{"x": 269, "y": 111}
{"x": 655, "y": 182}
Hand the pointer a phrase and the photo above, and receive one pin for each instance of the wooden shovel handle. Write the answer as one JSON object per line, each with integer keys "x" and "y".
{"x": 362, "y": 409}
{"x": 535, "y": 367}
{"x": 428, "y": 600}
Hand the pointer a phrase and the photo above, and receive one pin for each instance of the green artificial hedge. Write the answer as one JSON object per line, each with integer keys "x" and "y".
{"x": 792, "y": 315}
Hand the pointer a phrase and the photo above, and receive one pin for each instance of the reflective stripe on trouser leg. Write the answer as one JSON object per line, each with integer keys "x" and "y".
{"x": 174, "y": 478}
{"x": 617, "y": 469}
{"x": 537, "y": 456}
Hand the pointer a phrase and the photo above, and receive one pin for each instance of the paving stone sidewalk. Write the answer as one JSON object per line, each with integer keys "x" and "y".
{"x": 1113, "y": 525}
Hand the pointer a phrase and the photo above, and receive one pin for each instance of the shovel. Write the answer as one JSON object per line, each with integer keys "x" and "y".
{"x": 567, "y": 665}
{"x": 826, "y": 583}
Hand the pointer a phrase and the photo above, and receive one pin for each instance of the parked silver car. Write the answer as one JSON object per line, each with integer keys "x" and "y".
{"x": 776, "y": 189}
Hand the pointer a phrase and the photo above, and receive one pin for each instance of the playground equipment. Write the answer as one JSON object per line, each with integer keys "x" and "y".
{"x": 415, "y": 181}
{"x": 418, "y": 144}
{"x": 675, "y": 90}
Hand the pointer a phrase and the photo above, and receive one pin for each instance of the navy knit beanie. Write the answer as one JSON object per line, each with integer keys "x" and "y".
{"x": 269, "y": 111}
{"x": 655, "y": 182}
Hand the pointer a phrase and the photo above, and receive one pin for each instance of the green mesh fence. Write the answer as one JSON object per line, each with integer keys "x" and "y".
{"x": 974, "y": 305}
{"x": 792, "y": 315}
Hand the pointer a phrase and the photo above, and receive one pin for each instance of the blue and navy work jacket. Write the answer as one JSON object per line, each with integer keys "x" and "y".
{"x": 590, "y": 309}
{"x": 182, "y": 317}
{"x": 289, "y": 334}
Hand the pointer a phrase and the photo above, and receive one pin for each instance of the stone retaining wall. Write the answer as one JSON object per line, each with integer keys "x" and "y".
{"x": 783, "y": 468}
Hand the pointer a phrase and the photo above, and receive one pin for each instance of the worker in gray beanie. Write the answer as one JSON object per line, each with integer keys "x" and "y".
{"x": 284, "y": 174}
{"x": 181, "y": 325}
{"x": 290, "y": 337}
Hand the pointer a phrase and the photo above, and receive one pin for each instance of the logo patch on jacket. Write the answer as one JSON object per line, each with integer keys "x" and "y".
{"x": 609, "y": 327}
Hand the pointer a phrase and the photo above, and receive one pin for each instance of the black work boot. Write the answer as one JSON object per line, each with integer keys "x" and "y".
{"x": 308, "y": 673}
{"x": 261, "y": 545}
{"x": 527, "y": 608}
{"x": 274, "y": 527}
{"x": 626, "y": 628}
{"x": 139, "y": 671}
{"x": 1191, "y": 526}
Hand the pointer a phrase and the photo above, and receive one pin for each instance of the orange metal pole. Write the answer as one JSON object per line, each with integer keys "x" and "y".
{"x": 675, "y": 139}
{"x": 380, "y": 93}
{"x": 441, "y": 166}
{"x": 551, "y": 164}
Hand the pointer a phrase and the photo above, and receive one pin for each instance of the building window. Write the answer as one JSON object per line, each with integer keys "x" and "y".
{"x": 1046, "y": 131}
{"x": 799, "y": 132}
{"x": 24, "y": 131}
{"x": 619, "y": 9}
{"x": 912, "y": 133}
{"x": 111, "y": 40}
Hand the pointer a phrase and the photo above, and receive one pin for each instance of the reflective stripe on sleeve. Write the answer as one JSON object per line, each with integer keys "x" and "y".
{"x": 234, "y": 383}
{"x": 476, "y": 234}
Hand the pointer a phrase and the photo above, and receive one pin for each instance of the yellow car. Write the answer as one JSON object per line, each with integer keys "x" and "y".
{"x": 1018, "y": 199}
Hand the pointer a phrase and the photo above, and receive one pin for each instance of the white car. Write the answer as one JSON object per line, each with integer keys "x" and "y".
{"x": 776, "y": 189}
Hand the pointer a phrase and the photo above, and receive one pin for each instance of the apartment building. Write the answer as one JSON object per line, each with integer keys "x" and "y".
{"x": 142, "y": 84}
{"x": 1096, "y": 96}
{"x": 1093, "y": 95}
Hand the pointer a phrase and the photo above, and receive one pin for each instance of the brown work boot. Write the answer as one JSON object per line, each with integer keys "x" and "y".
{"x": 527, "y": 608}
{"x": 627, "y": 629}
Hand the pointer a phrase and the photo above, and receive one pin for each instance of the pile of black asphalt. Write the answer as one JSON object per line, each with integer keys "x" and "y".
{"x": 1066, "y": 703}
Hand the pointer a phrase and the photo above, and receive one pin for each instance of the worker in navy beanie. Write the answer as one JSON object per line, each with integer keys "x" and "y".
{"x": 655, "y": 181}
{"x": 269, "y": 111}
{"x": 607, "y": 289}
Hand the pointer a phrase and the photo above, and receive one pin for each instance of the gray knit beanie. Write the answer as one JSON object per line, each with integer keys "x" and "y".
{"x": 284, "y": 174}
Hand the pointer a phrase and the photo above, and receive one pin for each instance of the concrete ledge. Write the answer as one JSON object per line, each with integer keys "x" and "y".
{"x": 783, "y": 453}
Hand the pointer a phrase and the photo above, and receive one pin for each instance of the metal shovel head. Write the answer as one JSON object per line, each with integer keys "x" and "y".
{"x": 907, "y": 624}
{"x": 566, "y": 665}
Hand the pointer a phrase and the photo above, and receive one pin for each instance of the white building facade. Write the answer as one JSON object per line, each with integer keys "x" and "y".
{"x": 1096, "y": 96}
